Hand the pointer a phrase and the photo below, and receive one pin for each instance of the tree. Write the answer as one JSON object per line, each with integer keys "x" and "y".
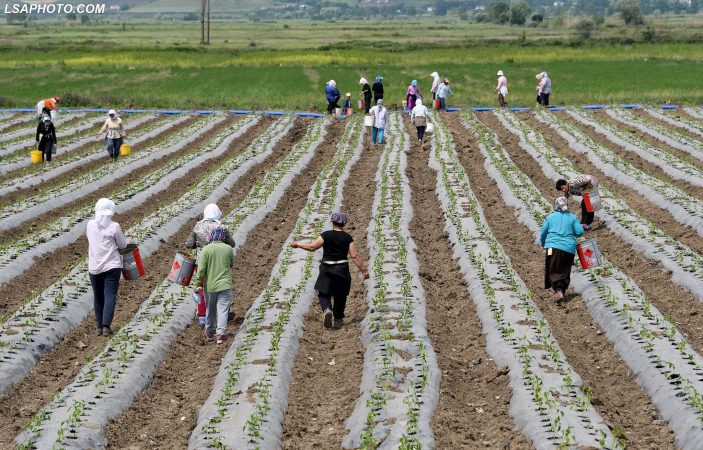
{"x": 584, "y": 28}
{"x": 499, "y": 12}
{"x": 519, "y": 12}
{"x": 630, "y": 12}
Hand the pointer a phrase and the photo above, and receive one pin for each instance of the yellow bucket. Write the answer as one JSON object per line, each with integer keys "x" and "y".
{"x": 125, "y": 149}
{"x": 36, "y": 156}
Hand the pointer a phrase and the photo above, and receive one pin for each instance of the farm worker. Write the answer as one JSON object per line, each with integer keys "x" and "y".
{"x": 198, "y": 239}
{"x": 544, "y": 88}
{"x": 377, "y": 89}
{"x": 115, "y": 134}
{"x": 418, "y": 117}
{"x": 539, "y": 79}
{"x": 577, "y": 186}
{"x": 502, "y": 88}
{"x": 46, "y": 106}
{"x": 412, "y": 94}
{"x": 436, "y": 80}
{"x": 442, "y": 92}
{"x": 105, "y": 239}
{"x": 366, "y": 93}
{"x": 347, "y": 102}
{"x": 332, "y": 96}
{"x": 558, "y": 238}
{"x": 47, "y": 141}
{"x": 334, "y": 280}
{"x": 380, "y": 117}
{"x": 215, "y": 278}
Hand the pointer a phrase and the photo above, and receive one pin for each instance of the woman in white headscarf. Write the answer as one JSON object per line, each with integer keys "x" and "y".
{"x": 199, "y": 238}
{"x": 436, "y": 81}
{"x": 332, "y": 95}
{"x": 115, "y": 134}
{"x": 418, "y": 117}
{"x": 105, "y": 239}
{"x": 366, "y": 93}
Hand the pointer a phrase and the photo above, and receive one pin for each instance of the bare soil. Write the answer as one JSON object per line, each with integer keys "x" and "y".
{"x": 318, "y": 403}
{"x": 616, "y": 394}
{"x": 165, "y": 414}
{"x": 640, "y": 113}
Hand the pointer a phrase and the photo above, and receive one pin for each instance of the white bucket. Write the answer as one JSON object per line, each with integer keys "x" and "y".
{"x": 589, "y": 254}
{"x": 430, "y": 128}
{"x": 591, "y": 200}
{"x": 368, "y": 121}
{"x": 337, "y": 112}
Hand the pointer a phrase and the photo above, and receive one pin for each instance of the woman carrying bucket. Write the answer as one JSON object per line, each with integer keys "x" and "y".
{"x": 366, "y": 93}
{"x": 580, "y": 185}
{"x": 558, "y": 238}
{"x": 115, "y": 134}
{"x": 334, "y": 280}
{"x": 105, "y": 239}
{"x": 198, "y": 239}
{"x": 46, "y": 137}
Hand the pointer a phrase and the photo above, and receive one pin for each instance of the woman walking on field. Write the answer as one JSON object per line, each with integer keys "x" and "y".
{"x": 366, "y": 93}
{"x": 380, "y": 117}
{"x": 115, "y": 134}
{"x": 502, "y": 89}
{"x": 377, "y": 89}
{"x": 334, "y": 280}
{"x": 544, "y": 88}
{"x": 46, "y": 137}
{"x": 418, "y": 117}
{"x": 332, "y": 94}
{"x": 558, "y": 238}
{"x": 412, "y": 94}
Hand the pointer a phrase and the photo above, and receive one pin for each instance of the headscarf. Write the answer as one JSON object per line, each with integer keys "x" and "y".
{"x": 216, "y": 234}
{"x": 434, "y": 75}
{"x": 378, "y": 78}
{"x": 339, "y": 218}
{"x": 104, "y": 210}
{"x": 539, "y": 75}
{"x": 332, "y": 83}
{"x": 112, "y": 112}
{"x": 212, "y": 212}
{"x": 418, "y": 102}
{"x": 363, "y": 81}
{"x": 414, "y": 83}
{"x": 561, "y": 204}
{"x": 380, "y": 102}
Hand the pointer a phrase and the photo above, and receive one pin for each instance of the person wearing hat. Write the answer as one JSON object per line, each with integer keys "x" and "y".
{"x": 412, "y": 94}
{"x": 380, "y": 117}
{"x": 46, "y": 137}
{"x": 46, "y": 106}
{"x": 366, "y": 93}
{"x": 214, "y": 277}
{"x": 442, "y": 92}
{"x": 502, "y": 88}
{"x": 105, "y": 240}
{"x": 577, "y": 186}
{"x": 558, "y": 238}
{"x": 332, "y": 95}
{"x": 334, "y": 280}
{"x": 115, "y": 134}
{"x": 377, "y": 89}
{"x": 346, "y": 107}
{"x": 436, "y": 81}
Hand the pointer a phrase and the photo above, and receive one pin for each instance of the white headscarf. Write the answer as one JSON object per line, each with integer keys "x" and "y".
{"x": 418, "y": 102}
{"x": 104, "y": 210}
{"x": 561, "y": 204}
{"x": 332, "y": 83}
{"x": 434, "y": 75}
{"x": 212, "y": 212}
{"x": 363, "y": 81}
{"x": 112, "y": 112}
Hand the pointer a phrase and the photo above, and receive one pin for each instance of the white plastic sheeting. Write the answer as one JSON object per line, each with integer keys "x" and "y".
{"x": 679, "y": 121}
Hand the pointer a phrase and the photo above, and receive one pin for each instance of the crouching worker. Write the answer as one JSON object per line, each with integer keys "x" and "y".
{"x": 198, "y": 239}
{"x": 215, "y": 278}
{"x": 558, "y": 237}
{"x": 577, "y": 186}
{"x": 334, "y": 280}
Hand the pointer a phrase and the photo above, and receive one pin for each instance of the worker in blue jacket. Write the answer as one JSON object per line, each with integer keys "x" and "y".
{"x": 333, "y": 96}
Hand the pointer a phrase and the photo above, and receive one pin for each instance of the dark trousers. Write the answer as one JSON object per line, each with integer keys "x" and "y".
{"x": 501, "y": 100}
{"x": 376, "y": 99}
{"x": 586, "y": 217}
{"x": 105, "y": 295}
{"x": 421, "y": 132}
{"x": 544, "y": 99}
{"x": 45, "y": 147}
{"x": 331, "y": 106}
{"x": 113, "y": 147}
{"x": 367, "y": 104}
{"x": 442, "y": 103}
{"x": 340, "y": 302}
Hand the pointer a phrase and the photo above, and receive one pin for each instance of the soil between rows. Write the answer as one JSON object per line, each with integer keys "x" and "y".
{"x": 644, "y": 115}
{"x": 165, "y": 414}
{"x": 683, "y": 114}
{"x": 60, "y": 366}
{"x": 37, "y": 278}
{"x": 474, "y": 401}
{"x": 616, "y": 394}
{"x": 633, "y": 158}
{"x": 652, "y": 278}
{"x": 80, "y": 151}
{"x": 318, "y": 403}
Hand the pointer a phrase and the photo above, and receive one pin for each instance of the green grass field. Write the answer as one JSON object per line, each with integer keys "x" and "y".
{"x": 285, "y": 65}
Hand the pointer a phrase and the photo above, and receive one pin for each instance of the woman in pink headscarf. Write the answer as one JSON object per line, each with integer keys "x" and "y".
{"x": 412, "y": 94}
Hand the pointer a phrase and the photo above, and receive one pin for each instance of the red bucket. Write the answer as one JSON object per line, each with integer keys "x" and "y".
{"x": 132, "y": 267}
{"x": 360, "y": 104}
{"x": 589, "y": 254}
{"x": 436, "y": 103}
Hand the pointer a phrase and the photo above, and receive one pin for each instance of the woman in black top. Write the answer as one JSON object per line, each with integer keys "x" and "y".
{"x": 334, "y": 280}
{"x": 366, "y": 93}
{"x": 46, "y": 130}
{"x": 377, "y": 89}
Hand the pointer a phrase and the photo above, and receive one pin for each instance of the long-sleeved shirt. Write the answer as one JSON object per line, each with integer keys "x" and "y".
{"x": 377, "y": 89}
{"x": 46, "y": 133}
{"x": 366, "y": 90}
{"x": 197, "y": 239}
{"x": 215, "y": 267}
{"x": 443, "y": 90}
{"x": 436, "y": 81}
{"x": 103, "y": 247}
{"x": 577, "y": 185}
{"x": 332, "y": 93}
{"x": 545, "y": 85}
{"x": 560, "y": 230}
{"x": 502, "y": 85}
{"x": 48, "y": 103}
{"x": 419, "y": 111}
{"x": 115, "y": 129}
{"x": 380, "y": 116}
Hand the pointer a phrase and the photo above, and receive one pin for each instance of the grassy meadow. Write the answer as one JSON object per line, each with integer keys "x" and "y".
{"x": 284, "y": 65}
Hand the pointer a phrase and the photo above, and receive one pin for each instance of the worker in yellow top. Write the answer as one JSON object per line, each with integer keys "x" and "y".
{"x": 46, "y": 106}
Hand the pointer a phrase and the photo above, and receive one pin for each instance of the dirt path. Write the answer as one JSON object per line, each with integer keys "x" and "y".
{"x": 318, "y": 404}
{"x": 474, "y": 402}
{"x": 633, "y": 158}
{"x": 60, "y": 366}
{"x": 654, "y": 280}
{"x": 165, "y": 414}
{"x": 616, "y": 395}
{"x": 37, "y": 278}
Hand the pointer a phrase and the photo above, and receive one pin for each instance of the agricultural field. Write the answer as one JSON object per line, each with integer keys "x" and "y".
{"x": 452, "y": 343}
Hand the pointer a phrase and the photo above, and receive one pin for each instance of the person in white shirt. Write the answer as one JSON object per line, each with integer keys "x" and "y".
{"x": 380, "y": 117}
{"x": 105, "y": 239}
{"x": 442, "y": 92}
{"x": 502, "y": 88}
{"x": 418, "y": 117}
{"x": 436, "y": 80}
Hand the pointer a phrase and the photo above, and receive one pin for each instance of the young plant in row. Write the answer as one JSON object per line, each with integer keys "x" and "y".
{"x": 652, "y": 127}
